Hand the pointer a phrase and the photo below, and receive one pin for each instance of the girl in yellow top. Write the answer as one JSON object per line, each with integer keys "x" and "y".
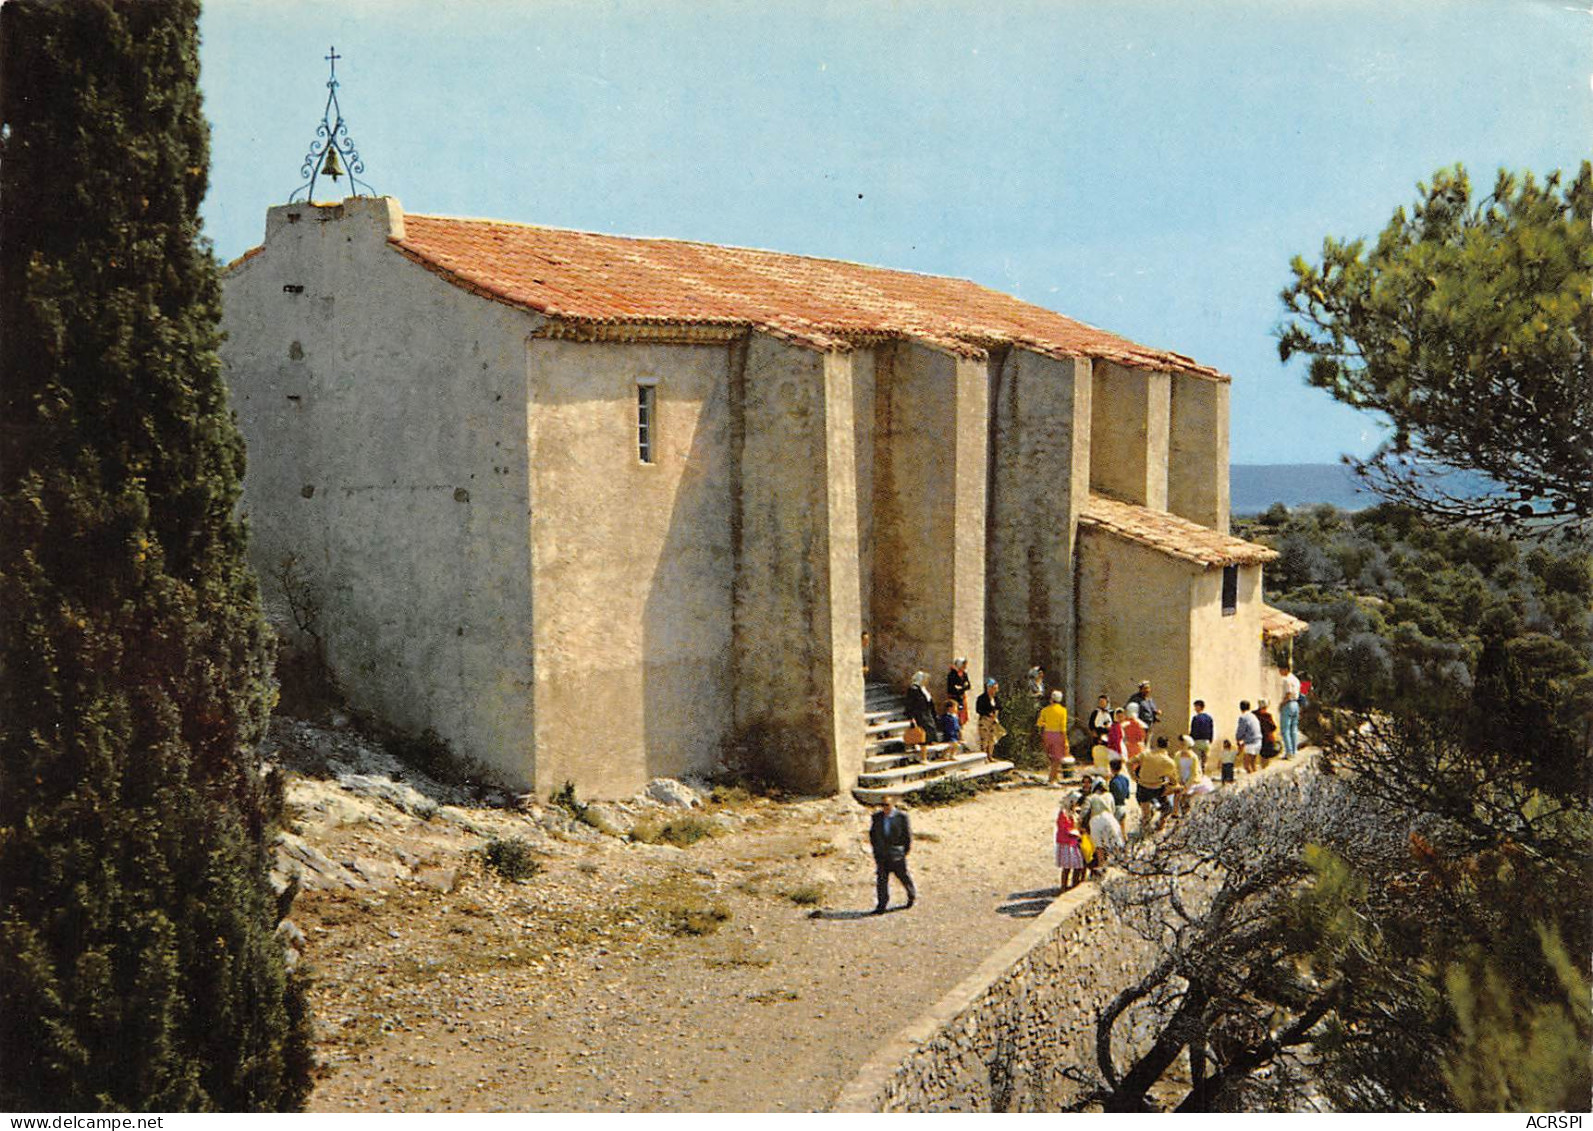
{"x": 1053, "y": 727}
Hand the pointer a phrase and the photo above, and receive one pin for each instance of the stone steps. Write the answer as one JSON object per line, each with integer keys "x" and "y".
{"x": 882, "y": 697}
{"x": 888, "y": 767}
{"x": 871, "y": 795}
{"x": 941, "y": 756}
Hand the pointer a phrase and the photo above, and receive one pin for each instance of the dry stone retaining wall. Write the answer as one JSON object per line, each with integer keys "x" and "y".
{"x": 1000, "y": 1040}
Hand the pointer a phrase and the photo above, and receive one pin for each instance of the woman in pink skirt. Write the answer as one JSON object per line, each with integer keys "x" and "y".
{"x": 1069, "y": 857}
{"x": 1053, "y": 727}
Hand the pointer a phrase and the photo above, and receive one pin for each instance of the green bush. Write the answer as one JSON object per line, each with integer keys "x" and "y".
{"x": 511, "y": 857}
{"x": 700, "y": 921}
{"x": 806, "y": 895}
{"x": 564, "y": 798}
{"x": 748, "y": 780}
{"x": 680, "y": 904}
{"x": 680, "y": 831}
{"x": 1021, "y": 744}
{"x": 944, "y": 791}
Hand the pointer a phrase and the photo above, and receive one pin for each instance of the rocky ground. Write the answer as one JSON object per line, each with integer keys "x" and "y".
{"x": 738, "y": 973}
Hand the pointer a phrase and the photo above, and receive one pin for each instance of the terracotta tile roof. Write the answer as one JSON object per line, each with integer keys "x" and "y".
{"x": 583, "y": 277}
{"x": 242, "y": 259}
{"x": 1279, "y": 625}
{"x": 1171, "y": 534}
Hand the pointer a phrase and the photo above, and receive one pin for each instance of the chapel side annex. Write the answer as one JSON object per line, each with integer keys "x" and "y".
{"x": 600, "y": 509}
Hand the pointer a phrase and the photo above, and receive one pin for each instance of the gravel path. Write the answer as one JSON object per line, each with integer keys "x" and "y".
{"x": 571, "y": 992}
{"x": 741, "y": 973}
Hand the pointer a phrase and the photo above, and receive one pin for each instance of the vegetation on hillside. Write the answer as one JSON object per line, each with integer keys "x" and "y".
{"x": 138, "y": 965}
{"x": 1407, "y": 616}
{"x": 1453, "y": 671}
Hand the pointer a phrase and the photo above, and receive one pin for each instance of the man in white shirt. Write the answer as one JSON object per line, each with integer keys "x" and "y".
{"x": 1289, "y": 714}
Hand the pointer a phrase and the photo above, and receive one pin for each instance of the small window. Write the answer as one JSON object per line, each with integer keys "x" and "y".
{"x": 1230, "y": 590}
{"x": 646, "y": 419}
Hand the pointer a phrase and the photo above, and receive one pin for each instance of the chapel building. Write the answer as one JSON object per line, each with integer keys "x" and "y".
{"x": 600, "y": 509}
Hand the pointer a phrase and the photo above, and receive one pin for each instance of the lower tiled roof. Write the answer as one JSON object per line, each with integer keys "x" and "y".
{"x": 584, "y": 277}
{"x": 1279, "y": 625}
{"x": 1171, "y": 534}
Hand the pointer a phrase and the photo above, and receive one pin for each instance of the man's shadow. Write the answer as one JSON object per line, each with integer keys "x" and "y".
{"x": 832, "y": 915}
{"x": 1027, "y": 904}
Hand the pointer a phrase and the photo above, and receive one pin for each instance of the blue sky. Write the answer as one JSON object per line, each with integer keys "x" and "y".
{"x": 1149, "y": 166}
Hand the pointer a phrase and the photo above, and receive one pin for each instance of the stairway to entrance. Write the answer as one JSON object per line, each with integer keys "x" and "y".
{"x": 888, "y": 767}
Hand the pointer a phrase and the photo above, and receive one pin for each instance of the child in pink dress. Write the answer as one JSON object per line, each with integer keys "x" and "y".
{"x": 1069, "y": 856}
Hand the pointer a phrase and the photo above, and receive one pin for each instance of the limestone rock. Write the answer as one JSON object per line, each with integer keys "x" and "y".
{"x": 396, "y": 793}
{"x": 326, "y": 805}
{"x": 668, "y": 791}
{"x": 442, "y": 880}
{"x": 291, "y": 934}
{"x": 609, "y": 819}
{"x": 462, "y": 817}
{"x": 316, "y": 870}
{"x": 377, "y": 873}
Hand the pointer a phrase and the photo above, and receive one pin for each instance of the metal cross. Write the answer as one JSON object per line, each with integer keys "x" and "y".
{"x": 331, "y": 143}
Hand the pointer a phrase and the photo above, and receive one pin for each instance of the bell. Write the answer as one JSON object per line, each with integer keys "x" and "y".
{"x": 330, "y": 167}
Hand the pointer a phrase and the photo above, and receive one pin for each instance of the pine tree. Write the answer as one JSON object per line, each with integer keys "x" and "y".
{"x": 137, "y": 962}
{"x": 1466, "y": 323}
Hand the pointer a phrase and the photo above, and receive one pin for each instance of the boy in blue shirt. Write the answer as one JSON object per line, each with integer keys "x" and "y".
{"x": 1121, "y": 789}
{"x": 950, "y": 726}
{"x": 1204, "y": 731}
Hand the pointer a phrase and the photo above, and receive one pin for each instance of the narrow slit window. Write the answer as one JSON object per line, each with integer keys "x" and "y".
{"x": 1230, "y": 590}
{"x": 646, "y": 420}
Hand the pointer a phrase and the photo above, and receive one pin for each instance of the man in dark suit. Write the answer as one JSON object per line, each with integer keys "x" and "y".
{"x": 891, "y": 837}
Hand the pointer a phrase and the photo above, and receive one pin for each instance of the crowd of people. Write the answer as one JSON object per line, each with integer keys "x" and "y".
{"x": 931, "y": 725}
{"x": 1121, "y": 731}
{"x": 1129, "y": 761}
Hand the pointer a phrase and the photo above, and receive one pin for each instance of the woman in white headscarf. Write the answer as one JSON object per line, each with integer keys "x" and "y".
{"x": 921, "y": 707}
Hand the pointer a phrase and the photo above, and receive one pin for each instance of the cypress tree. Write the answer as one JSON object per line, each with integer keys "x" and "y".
{"x": 137, "y": 962}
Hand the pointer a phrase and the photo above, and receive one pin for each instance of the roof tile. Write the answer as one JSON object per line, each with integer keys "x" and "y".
{"x": 1171, "y": 534}
{"x": 1279, "y": 625}
{"x": 588, "y": 277}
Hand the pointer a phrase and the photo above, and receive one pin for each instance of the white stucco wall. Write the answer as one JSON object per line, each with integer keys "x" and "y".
{"x": 1129, "y": 427}
{"x": 798, "y": 698}
{"x": 865, "y": 366}
{"x": 1040, "y": 455}
{"x": 1197, "y": 456}
{"x": 633, "y": 562}
{"x": 1226, "y": 658}
{"x": 1147, "y": 615}
{"x": 1134, "y": 624}
{"x": 384, "y": 411}
{"x": 927, "y": 601}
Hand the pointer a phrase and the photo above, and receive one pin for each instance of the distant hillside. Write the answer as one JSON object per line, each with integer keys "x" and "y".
{"x": 1256, "y": 486}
